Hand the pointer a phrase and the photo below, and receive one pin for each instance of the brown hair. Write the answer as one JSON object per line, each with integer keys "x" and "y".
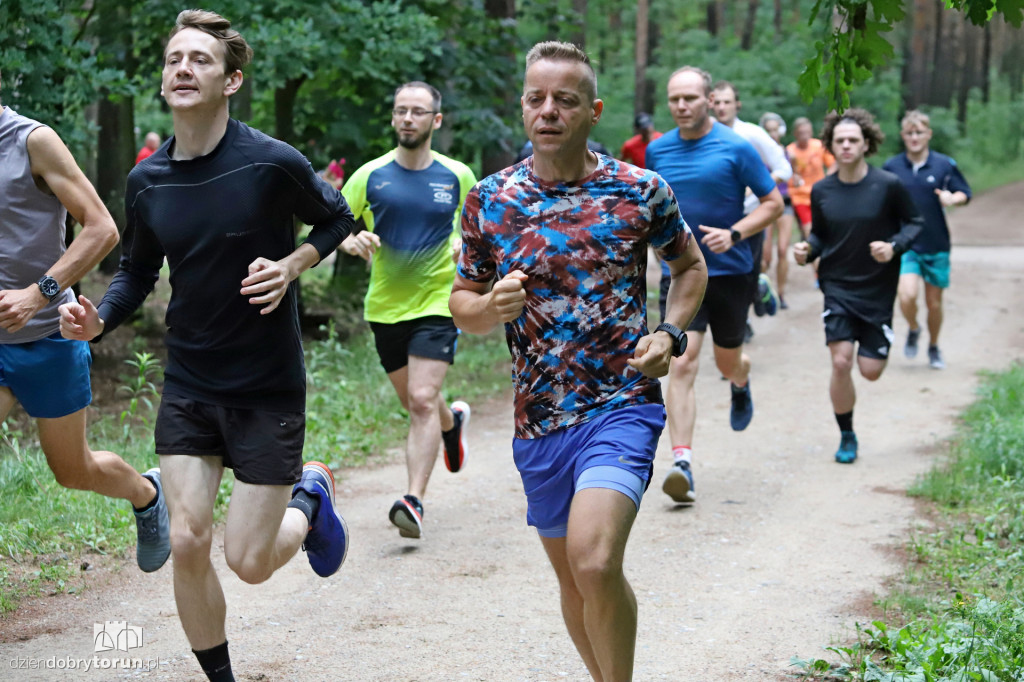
{"x": 435, "y": 96}
{"x": 237, "y": 53}
{"x": 873, "y": 135}
{"x": 726, "y": 85}
{"x": 555, "y": 51}
{"x": 704, "y": 75}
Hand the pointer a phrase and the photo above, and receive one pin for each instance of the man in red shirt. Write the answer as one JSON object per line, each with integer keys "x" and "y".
{"x": 151, "y": 145}
{"x": 635, "y": 148}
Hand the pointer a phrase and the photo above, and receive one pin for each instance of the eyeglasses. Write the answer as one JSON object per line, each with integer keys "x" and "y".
{"x": 418, "y": 113}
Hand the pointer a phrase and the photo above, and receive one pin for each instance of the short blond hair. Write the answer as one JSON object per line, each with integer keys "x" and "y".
{"x": 555, "y": 51}
{"x": 915, "y": 117}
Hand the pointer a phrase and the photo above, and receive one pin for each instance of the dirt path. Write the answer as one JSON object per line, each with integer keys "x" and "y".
{"x": 780, "y": 556}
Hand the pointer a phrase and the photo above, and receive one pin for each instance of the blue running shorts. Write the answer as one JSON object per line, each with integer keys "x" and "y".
{"x": 933, "y": 268}
{"x": 49, "y": 377}
{"x": 614, "y": 451}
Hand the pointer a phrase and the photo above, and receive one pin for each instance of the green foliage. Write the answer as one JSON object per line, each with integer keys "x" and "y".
{"x": 976, "y": 554}
{"x": 140, "y": 390}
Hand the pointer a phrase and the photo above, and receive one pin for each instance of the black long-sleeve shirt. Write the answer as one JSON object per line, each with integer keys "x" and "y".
{"x": 845, "y": 219}
{"x": 211, "y": 217}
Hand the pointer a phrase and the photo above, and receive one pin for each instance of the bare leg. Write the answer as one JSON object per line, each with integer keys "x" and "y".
{"x": 733, "y": 363}
{"x": 7, "y": 401}
{"x": 599, "y": 525}
{"x": 190, "y": 484}
{"x": 933, "y": 298}
{"x": 680, "y": 398}
{"x": 909, "y": 286}
{"x": 785, "y": 230}
{"x": 841, "y": 389}
{"x": 421, "y": 391}
{"x": 262, "y": 533}
{"x": 74, "y": 465}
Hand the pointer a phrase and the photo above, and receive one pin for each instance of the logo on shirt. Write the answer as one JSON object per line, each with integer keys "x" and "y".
{"x": 442, "y": 192}
{"x": 931, "y": 179}
{"x": 382, "y": 185}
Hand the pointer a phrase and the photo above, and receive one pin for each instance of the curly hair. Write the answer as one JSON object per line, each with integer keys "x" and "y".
{"x": 873, "y": 135}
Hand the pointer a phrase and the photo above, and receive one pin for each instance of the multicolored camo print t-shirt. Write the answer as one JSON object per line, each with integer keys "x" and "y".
{"x": 583, "y": 247}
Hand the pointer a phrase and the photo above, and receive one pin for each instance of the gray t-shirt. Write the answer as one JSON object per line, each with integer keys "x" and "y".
{"x": 31, "y": 227}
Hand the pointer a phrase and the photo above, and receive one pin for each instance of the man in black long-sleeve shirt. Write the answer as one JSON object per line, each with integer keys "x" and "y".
{"x": 218, "y": 200}
{"x": 862, "y": 218}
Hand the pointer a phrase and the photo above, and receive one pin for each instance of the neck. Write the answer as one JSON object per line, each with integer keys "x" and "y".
{"x": 698, "y": 133}
{"x": 564, "y": 167}
{"x": 415, "y": 159}
{"x": 196, "y": 133}
{"x": 853, "y": 172}
{"x": 918, "y": 157}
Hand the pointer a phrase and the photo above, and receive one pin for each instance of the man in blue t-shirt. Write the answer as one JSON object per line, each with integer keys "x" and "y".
{"x": 709, "y": 167}
{"x": 935, "y": 183}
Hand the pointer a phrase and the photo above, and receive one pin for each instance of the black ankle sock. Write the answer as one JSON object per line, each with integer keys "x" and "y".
{"x": 845, "y": 421}
{"x": 307, "y": 504}
{"x": 149, "y": 505}
{"x": 216, "y": 663}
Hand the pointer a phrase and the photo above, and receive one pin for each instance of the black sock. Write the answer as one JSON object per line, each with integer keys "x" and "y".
{"x": 307, "y": 504}
{"x": 845, "y": 421}
{"x": 149, "y": 505}
{"x": 216, "y": 663}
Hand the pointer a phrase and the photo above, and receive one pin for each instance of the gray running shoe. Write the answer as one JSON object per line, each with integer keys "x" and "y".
{"x": 935, "y": 358}
{"x": 153, "y": 528}
{"x": 910, "y": 350}
{"x": 679, "y": 483}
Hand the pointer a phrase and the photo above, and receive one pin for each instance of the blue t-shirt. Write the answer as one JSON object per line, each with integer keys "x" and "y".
{"x": 938, "y": 172}
{"x": 710, "y": 177}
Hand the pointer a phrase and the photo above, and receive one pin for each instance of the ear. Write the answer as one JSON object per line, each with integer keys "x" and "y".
{"x": 598, "y": 108}
{"x": 233, "y": 83}
{"x": 437, "y": 121}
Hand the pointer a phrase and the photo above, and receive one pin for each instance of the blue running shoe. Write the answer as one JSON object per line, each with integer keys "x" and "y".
{"x": 910, "y": 349}
{"x": 326, "y": 543}
{"x": 847, "y": 451}
{"x": 153, "y": 529}
{"x": 765, "y": 302}
{"x": 742, "y": 409}
{"x": 678, "y": 483}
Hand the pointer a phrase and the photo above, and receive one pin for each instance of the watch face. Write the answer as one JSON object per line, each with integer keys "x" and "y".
{"x": 49, "y": 287}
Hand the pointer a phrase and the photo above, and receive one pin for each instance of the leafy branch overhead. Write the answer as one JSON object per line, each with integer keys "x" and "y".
{"x": 855, "y": 41}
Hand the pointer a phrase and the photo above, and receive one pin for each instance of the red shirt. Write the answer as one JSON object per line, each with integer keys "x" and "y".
{"x": 634, "y": 150}
{"x": 144, "y": 153}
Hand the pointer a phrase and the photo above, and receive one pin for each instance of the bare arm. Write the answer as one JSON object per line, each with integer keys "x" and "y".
{"x": 55, "y": 171}
{"x": 478, "y": 307}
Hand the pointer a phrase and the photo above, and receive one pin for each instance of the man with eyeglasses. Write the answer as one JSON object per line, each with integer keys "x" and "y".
{"x": 411, "y": 200}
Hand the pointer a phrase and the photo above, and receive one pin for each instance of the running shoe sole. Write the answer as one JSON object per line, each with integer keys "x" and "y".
{"x": 677, "y": 486}
{"x": 455, "y": 465}
{"x": 407, "y": 519}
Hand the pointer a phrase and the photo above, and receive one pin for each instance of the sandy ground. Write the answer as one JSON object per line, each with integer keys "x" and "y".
{"x": 782, "y": 554}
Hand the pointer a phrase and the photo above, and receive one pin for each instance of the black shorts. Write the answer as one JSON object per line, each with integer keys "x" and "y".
{"x": 725, "y": 307}
{"x": 873, "y": 339}
{"x": 433, "y": 337}
{"x": 263, "y": 447}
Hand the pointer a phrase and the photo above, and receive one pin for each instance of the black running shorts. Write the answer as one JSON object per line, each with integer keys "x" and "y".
{"x": 873, "y": 339}
{"x": 432, "y": 337}
{"x": 725, "y": 308}
{"x": 263, "y": 447}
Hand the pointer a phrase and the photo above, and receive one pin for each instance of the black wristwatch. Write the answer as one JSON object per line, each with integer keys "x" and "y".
{"x": 678, "y": 338}
{"x": 49, "y": 287}
{"x": 736, "y": 236}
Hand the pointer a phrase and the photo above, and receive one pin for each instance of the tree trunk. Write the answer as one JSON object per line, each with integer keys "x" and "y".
{"x": 502, "y": 154}
{"x": 579, "y": 34}
{"x": 777, "y": 18}
{"x": 284, "y": 109}
{"x": 241, "y": 102}
{"x": 714, "y": 17}
{"x": 986, "y": 63}
{"x": 115, "y": 143}
{"x": 747, "y": 39}
{"x": 641, "y": 84}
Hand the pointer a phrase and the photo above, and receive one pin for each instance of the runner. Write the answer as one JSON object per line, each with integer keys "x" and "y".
{"x": 710, "y": 168}
{"x": 40, "y": 183}
{"x": 218, "y": 200}
{"x": 811, "y": 162}
{"x": 635, "y": 148}
{"x": 726, "y": 104}
{"x": 935, "y": 183}
{"x": 862, "y": 218}
{"x": 783, "y": 227}
{"x": 556, "y": 248}
{"x": 150, "y": 145}
{"x": 411, "y": 199}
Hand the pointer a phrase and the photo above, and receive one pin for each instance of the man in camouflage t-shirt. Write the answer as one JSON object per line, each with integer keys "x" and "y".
{"x": 555, "y": 247}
